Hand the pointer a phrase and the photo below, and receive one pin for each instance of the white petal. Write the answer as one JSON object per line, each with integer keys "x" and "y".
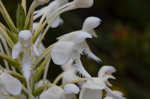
{"x": 95, "y": 84}
{"x": 76, "y": 36}
{"x": 62, "y": 52}
{"x": 11, "y": 84}
{"x": 90, "y": 94}
{"x": 57, "y": 22}
{"x": 106, "y": 72}
{"x": 35, "y": 50}
{"x": 69, "y": 76}
{"x": 90, "y": 23}
{"x": 91, "y": 55}
{"x": 53, "y": 93}
{"x": 71, "y": 88}
{"x": 16, "y": 50}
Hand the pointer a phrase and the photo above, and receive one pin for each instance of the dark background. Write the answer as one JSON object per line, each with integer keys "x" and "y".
{"x": 124, "y": 41}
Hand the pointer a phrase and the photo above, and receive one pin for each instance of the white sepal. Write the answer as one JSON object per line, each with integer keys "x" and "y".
{"x": 95, "y": 84}
{"x": 10, "y": 84}
{"x": 16, "y": 50}
{"x": 91, "y": 55}
{"x": 81, "y": 69}
{"x": 53, "y": 93}
{"x": 71, "y": 89}
{"x": 62, "y": 52}
{"x": 90, "y": 94}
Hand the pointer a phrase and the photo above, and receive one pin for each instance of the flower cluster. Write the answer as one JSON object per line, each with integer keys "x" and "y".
{"x": 24, "y": 70}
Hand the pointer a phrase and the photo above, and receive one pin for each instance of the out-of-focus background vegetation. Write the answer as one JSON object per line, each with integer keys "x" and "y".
{"x": 124, "y": 41}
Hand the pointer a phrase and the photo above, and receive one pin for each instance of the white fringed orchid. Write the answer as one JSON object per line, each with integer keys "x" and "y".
{"x": 50, "y": 8}
{"x": 9, "y": 84}
{"x": 92, "y": 89}
{"x": 25, "y": 45}
{"x": 54, "y": 92}
{"x": 89, "y": 25}
{"x": 70, "y": 49}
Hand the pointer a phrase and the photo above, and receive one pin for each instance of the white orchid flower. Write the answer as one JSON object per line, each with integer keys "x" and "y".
{"x": 25, "y": 45}
{"x": 92, "y": 89}
{"x": 54, "y": 92}
{"x": 9, "y": 84}
{"x": 46, "y": 12}
{"x": 89, "y": 25}
{"x": 71, "y": 50}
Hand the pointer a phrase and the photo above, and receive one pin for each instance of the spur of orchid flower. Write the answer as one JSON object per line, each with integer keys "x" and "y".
{"x": 26, "y": 46}
{"x": 93, "y": 89}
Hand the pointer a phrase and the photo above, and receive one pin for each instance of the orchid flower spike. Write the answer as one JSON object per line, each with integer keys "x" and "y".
{"x": 46, "y": 12}
{"x": 90, "y": 24}
{"x": 10, "y": 84}
{"x": 54, "y": 92}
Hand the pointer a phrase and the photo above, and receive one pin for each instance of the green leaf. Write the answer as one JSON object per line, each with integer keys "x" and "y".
{"x": 40, "y": 70}
{"x": 15, "y": 63}
{"x": 7, "y": 18}
{"x": 20, "y": 17}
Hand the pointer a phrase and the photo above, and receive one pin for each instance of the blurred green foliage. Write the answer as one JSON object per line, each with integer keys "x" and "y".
{"x": 124, "y": 41}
